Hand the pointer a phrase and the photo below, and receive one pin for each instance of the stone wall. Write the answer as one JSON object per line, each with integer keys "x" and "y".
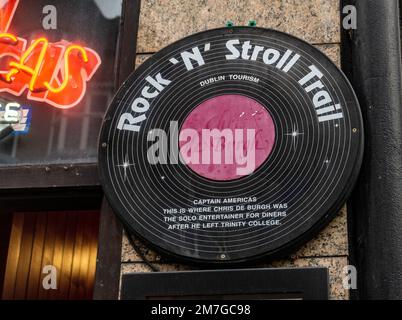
{"x": 316, "y": 21}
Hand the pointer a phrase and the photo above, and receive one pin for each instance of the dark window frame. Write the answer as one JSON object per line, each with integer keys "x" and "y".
{"x": 80, "y": 174}
{"x": 41, "y": 202}
{"x": 81, "y": 181}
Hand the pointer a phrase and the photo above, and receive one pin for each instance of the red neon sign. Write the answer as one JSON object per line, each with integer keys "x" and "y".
{"x": 53, "y": 73}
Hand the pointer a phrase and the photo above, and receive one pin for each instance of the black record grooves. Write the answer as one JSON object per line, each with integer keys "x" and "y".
{"x": 314, "y": 162}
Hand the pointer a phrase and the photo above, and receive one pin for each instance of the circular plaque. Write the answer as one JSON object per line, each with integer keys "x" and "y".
{"x": 231, "y": 145}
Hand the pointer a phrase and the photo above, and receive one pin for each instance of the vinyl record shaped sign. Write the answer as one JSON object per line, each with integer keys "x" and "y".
{"x": 230, "y": 145}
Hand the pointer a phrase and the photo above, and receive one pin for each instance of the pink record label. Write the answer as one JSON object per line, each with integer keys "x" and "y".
{"x": 227, "y": 137}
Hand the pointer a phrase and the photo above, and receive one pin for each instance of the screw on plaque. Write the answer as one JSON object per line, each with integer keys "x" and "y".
{"x": 252, "y": 23}
{"x": 229, "y": 24}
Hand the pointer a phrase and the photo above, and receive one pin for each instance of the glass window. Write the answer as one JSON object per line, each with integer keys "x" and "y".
{"x": 57, "y": 61}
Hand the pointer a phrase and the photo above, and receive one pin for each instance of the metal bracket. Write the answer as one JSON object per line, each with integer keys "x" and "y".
{"x": 251, "y": 23}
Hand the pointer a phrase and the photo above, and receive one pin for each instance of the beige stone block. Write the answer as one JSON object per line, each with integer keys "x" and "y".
{"x": 331, "y": 241}
{"x": 333, "y": 51}
{"x": 164, "y": 21}
{"x": 128, "y": 254}
{"x": 134, "y": 268}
